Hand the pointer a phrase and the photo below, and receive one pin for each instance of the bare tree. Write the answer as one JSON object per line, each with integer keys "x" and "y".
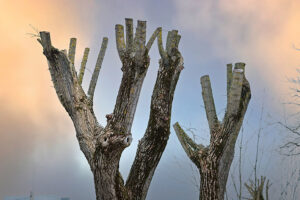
{"x": 291, "y": 123}
{"x": 214, "y": 161}
{"x": 256, "y": 190}
{"x": 103, "y": 146}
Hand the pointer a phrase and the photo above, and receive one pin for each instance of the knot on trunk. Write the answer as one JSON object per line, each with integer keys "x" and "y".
{"x": 110, "y": 141}
{"x": 109, "y": 116}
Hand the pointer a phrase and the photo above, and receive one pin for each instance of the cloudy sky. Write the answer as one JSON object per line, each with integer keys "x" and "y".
{"x": 38, "y": 148}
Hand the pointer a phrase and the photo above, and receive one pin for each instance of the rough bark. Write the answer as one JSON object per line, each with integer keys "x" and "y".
{"x": 152, "y": 145}
{"x": 103, "y": 146}
{"x": 214, "y": 161}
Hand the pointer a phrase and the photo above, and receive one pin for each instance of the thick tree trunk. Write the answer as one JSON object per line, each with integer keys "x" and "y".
{"x": 209, "y": 184}
{"x": 103, "y": 146}
{"x": 109, "y": 184}
{"x": 214, "y": 161}
{"x": 152, "y": 145}
{"x": 105, "y": 177}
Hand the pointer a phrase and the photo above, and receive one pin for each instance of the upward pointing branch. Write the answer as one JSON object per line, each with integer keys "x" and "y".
{"x": 71, "y": 94}
{"x": 151, "y": 40}
{"x": 161, "y": 49}
{"x": 46, "y": 41}
{"x": 72, "y": 49}
{"x": 190, "y": 147}
{"x": 209, "y": 102}
{"x": 140, "y": 40}
{"x": 120, "y": 40}
{"x": 129, "y": 34}
{"x": 172, "y": 41}
{"x": 154, "y": 141}
{"x": 235, "y": 91}
{"x": 178, "y": 37}
{"x": 229, "y": 79}
{"x": 97, "y": 68}
{"x": 135, "y": 60}
{"x": 83, "y": 64}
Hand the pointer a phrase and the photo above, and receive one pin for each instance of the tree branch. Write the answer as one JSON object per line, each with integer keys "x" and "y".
{"x": 162, "y": 52}
{"x": 178, "y": 37}
{"x": 209, "y": 103}
{"x": 151, "y": 40}
{"x": 152, "y": 145}
{"x": 235, "y": 92}
{"x": 129, "y": 34}
{"x": 232, "y": 126}
{"x": 83, "y": 64}
{"x": 72, "y": 50}
{"x": 97, "y": 68}
{"x": 176, "y": 74}
{"x": 72, "y": 96}
{"x": 168, "y": 43}
{"x": 140, "y": 40}
{"x": 171, "y": 41}
{"x": 120, "y": 40}
{"x": 192, "y": 149}
{"x": 229, "y": 79}
{"x": 135, "y": 65}
{"x": 46, "y": 42}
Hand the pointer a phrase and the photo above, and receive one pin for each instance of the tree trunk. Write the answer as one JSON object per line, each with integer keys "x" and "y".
{"x": 214, "y": 161}
{"x": 105, "y": 177}
{"x": 103, "y": 146}
{"x": 108, "y": 181}
{"x": 209, "y": 185}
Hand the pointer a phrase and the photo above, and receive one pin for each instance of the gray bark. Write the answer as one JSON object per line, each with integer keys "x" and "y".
{"x": 103, "y": 146}
{"x": 152, "y": 145}
{"x": 214, "y": 161}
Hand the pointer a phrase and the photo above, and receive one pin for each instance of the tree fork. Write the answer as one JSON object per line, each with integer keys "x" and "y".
{"x": 214, "y": 161}
{"x": 103, "y": 146}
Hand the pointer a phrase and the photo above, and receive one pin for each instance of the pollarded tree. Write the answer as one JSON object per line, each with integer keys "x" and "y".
{"x": 103, "y": 146}
{"x": 214, "y": 161}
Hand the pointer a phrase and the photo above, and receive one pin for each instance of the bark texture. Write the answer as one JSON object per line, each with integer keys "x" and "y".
{"x": 214, "y": 161}
{"x": 103, "y": 145}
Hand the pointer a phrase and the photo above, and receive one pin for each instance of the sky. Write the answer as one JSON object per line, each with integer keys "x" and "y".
{"x": 38, "y": 148}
